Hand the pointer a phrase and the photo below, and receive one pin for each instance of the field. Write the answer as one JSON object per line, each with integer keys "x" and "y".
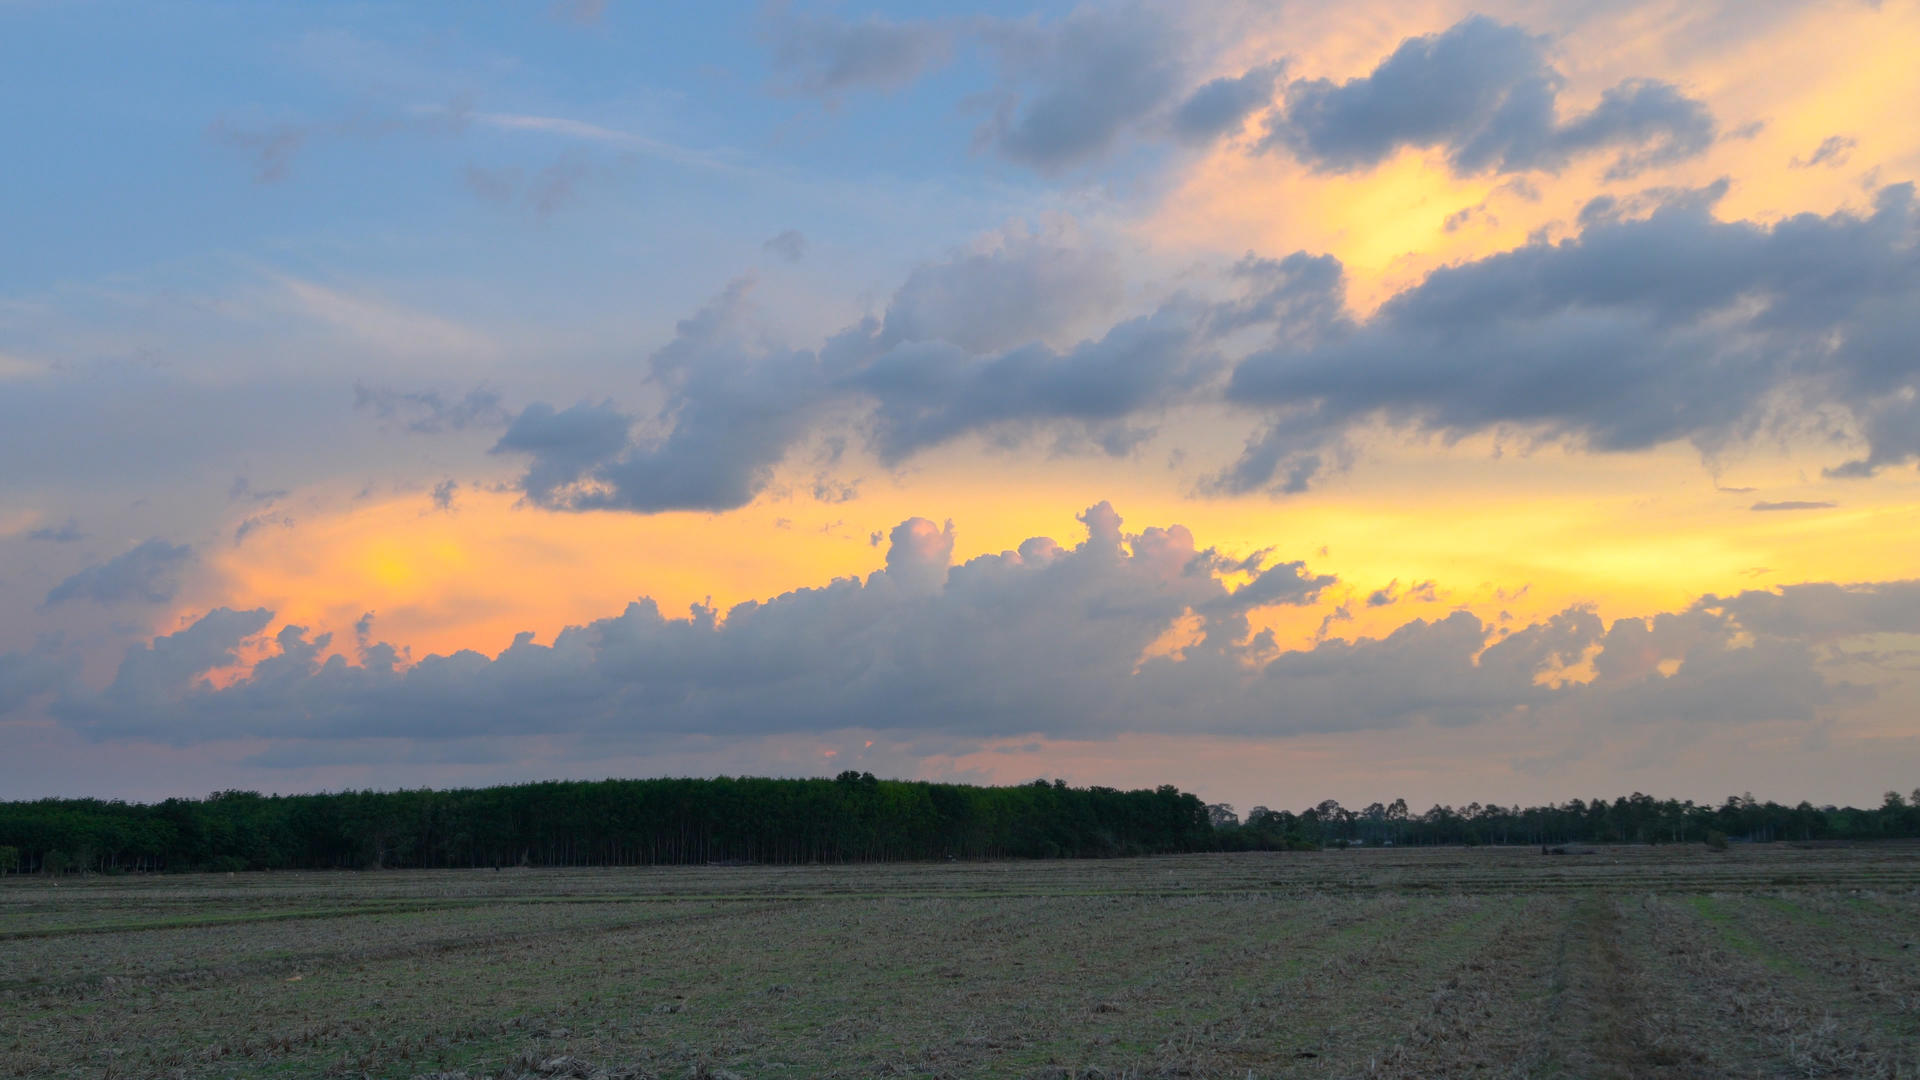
{"x": 1766, "y": 960}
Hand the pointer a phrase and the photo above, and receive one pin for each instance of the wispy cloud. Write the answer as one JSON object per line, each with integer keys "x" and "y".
{"x": 565, "y": 127}
{"x": 382, "y": 324}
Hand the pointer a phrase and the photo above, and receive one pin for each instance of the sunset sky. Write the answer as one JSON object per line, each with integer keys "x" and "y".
{"x": 1502, "y": 403}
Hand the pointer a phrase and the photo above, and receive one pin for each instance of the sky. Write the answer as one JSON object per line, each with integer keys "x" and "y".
{"x": 1500, "y": 403}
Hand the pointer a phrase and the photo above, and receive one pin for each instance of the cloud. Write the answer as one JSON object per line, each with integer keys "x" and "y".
{"x": 1068, "y": 89}
{"x": 918, "y": 554}
{"x": 67, "y": 532}
{"x": 548, "y": 190}
{"x": 242, "y": 490}
{"x": 272, "y": 149}
{"x": 1220, "y": 106}
{"x": 790, "y": 245}
{"x": 443, "y": 494}
{"x": 1064, "y": 91}
{"x": 1832, "y": 152}
{"x": 149, "y": 573}
{"x": 956, "y": 353}
{"x": 1024, "y": 288}
{"x": 1045, "y": 640}
{"x": 736, "y": 403}
{"x": 1484, "y": 93}
{"x": 1635, "y": 333}
{"x": 824, "y": 56}
{"x": 382, "y": 325}
{"x": 1793, "y": 505}
{"x": 1072, "y": 90}
{"x": 25, "y": 676}
{"x": 429, "y": 412}
{"x": 249, "y": 525}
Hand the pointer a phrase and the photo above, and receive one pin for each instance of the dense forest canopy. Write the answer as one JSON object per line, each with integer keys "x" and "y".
{"x": 853, "y": 818}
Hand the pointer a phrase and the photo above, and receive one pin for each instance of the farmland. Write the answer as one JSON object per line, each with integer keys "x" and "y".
{"x": 1764, "y": 960}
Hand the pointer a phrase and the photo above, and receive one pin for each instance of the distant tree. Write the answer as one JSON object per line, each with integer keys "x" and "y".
{"x": 9, "y": 859}
{"x": 1222, "y": 816}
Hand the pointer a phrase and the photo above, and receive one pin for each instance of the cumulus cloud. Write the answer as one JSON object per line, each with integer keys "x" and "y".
{"x": 148, "y": 573}
{"x": 1221, "y": 105}
{"x": 1065, "y": 91}
{"x": 1044, "y": 639}
{"x": 1657, "y": 322}
{"x": 961, "y": 349}
{"x": 1485, "y": 93}
{"x": 1637, "y": 332}
{"x": 1069, "y": 89}
{"x": 736, "y": 404}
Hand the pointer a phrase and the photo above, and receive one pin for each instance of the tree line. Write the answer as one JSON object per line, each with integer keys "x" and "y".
{"x": 852, "y": 818}
{"x": 1636, "y": 819}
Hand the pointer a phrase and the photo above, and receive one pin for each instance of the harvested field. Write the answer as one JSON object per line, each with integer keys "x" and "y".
{"x": 1766, "y": 960}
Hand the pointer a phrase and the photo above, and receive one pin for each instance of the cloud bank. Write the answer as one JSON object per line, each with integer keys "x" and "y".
{"x": 1045, "y": 639}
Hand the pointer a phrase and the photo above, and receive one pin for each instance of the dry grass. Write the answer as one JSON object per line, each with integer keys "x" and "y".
{"x": 1633, "y": 962}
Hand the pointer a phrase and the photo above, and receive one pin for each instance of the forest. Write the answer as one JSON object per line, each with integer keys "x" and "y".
{"x": 852, "y": 818}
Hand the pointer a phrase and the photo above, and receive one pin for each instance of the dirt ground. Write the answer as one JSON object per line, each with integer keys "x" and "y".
{"x": 1761, "y": 961}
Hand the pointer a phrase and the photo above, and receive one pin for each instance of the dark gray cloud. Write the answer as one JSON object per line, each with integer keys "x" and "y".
{"x": 954, "y": 354}
{"x": 1044, "y": 639}
{"x": 1486, "y": 94}
{"x": 443, "y": 494}
{"x": 927, "y": 393}
{"x": 564, "y": 444}
{"x": 1793, "y": 504}
{"x": 1065, "y": 91}
{"x": 735, "y": 406}
{"x": 1069, "y": 89}
{"x": 148, "y": 573}
{"x": 1222, "y": 105}
{"x": 1676, "y": 326}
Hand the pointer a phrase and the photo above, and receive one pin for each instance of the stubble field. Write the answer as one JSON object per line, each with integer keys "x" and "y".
{"x": 1631, "y": 962}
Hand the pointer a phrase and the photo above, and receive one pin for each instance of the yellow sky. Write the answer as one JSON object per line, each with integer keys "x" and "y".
{"x": 1630, "y": 534}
